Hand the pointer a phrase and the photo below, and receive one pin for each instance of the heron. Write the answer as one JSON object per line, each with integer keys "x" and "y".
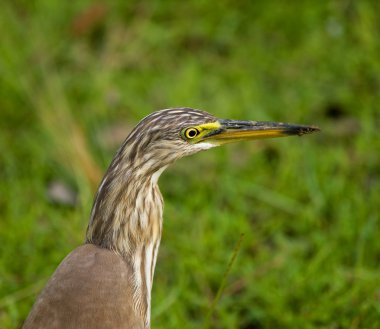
{"x": 107, "y": 281}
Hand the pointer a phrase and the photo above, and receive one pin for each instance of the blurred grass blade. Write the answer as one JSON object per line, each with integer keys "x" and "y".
{"x": 223, "y": 282}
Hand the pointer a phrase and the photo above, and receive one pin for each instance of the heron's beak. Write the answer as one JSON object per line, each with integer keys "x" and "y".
{"x": 234, "y": 130}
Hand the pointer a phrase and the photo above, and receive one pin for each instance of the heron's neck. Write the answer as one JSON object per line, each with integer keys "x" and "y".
{"x": 127, "y": 218}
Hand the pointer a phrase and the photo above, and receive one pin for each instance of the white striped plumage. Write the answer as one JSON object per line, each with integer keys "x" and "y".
{"x": 127, "y": 212}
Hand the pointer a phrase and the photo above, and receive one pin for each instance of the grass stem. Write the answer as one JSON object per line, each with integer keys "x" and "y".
{"x": 223, "y": 282}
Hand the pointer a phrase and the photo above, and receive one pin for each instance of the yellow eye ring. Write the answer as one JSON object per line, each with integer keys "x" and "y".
{"x": 191, "y": 133}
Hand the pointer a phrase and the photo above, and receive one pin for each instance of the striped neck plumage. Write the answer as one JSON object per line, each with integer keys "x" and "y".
{"x": 127, "y": 218}
{"x": 127, "y": 212}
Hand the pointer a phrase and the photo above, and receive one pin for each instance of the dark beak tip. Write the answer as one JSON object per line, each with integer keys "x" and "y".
{"x": 308, "y": 130}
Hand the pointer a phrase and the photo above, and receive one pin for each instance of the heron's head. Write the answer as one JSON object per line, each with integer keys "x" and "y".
{"x": 167, "y": 135}
{"x": 158, "y": 140}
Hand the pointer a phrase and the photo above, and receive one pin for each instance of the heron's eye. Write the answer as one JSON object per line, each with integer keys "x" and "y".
{"x": 190, "y": 133}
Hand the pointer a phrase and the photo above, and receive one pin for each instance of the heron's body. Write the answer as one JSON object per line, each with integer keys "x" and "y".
{"x": 91, "y": 288}
{"x": 107, "y": 282}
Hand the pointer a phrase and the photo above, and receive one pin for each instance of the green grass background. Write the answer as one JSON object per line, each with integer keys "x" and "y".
{"x": 76, "y": 76}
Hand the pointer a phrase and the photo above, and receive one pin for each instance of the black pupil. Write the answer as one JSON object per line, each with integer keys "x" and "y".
{"x": 191, "y": 133}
